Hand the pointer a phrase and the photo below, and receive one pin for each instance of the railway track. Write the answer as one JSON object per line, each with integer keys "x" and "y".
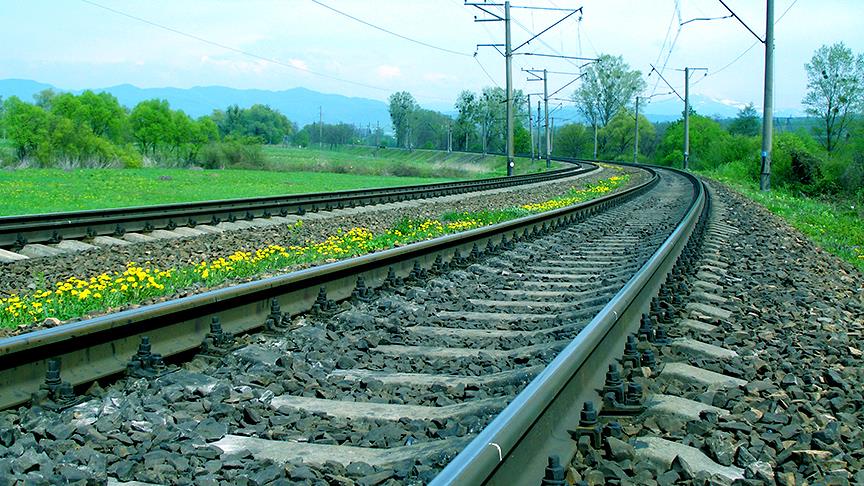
{"x": 460, "y": 368}
{"x": 38, "y": 235}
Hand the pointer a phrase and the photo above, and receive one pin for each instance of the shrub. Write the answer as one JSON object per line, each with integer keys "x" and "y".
{"x": 232, "y": 154}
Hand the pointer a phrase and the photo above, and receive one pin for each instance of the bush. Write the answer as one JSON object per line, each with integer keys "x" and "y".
{"x": 232, "y": 155}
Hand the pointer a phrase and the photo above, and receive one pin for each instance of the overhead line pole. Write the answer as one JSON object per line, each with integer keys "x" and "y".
{"x": 768, "y": 100}
{"x": 508, "y": 59}
{"x": 768, "y": 91}
{"x": 531, "y": 128}
{"x": 546, "y": 110}
{"x": 636, "y": 137}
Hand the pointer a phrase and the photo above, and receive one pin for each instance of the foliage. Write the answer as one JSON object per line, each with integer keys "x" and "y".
{"x": 747, "y": 122}
{"x": 607, "y": 87}
{"x": 233, "y": 154}
{"x": 836, "y": 225}
{"x": 402, "y": 107}
{"x": 835, "y": 91}
{"x": 615, "y": 141}
{"x": 573, "y": 140}
{"x": 76, "y": 297}
{"x": 710, "y": 144}
{"x": 258, "y": 121}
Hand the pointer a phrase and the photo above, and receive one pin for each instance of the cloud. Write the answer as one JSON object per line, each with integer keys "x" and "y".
{"x": 299, "y": 64}
{"x": 386, "y": 71}
{"x": 438, "y": 77}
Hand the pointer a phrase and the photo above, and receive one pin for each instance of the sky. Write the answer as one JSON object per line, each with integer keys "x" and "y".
{"x": 282, "y": 44}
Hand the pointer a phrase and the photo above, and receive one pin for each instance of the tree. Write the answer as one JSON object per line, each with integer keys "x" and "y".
{"x": 747, "y": 122}
{"x": 27, "y": 126}
{"x": 468, "y": 109}
{"x": 835, "y": 91}
{"x": 152, "y": 125}
{"x": 573, "y": 140}
{"x": 608, "y": 86}
{"x": 616, "y": 139}
{"x": 402, "y": 107}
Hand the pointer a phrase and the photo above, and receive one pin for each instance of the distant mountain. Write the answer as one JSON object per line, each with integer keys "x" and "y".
{"x": 300, "y": 105}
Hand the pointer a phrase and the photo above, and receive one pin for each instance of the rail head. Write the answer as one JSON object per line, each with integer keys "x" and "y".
{"x": 513, "y": 448}
{"x": 26, "y": 354}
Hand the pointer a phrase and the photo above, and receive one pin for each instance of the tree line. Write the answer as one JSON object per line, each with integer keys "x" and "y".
{"x": 94, "y": 129}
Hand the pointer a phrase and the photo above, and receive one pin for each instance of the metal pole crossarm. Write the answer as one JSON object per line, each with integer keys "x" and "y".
{"x": 547, "y": 29}
{"x": 703, "y": 18}
{"x": 592, "y": 59}
{"x": 741, "y": 21}
{"x": 655, "y": 70}
{"x": 529, "y": 7}
{"x": 481, "y": 6}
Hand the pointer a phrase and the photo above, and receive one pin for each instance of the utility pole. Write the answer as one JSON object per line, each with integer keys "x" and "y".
{"x": 595, "y": 139}
{"x": 538, "y": 129}
{"x": 768, "y": 100}
{"x": 377, "y": 134}
{"x": 636, "y": 137}
{"x": 508, "y": 57}
{"x": 546, "y": 116}
{"x": 320, "y": 128}
{"x": 768, "y": 91}
{"x": 551, "y": 141}
{"x": 531, "y": 128}
{"x": 686, "y": 118}
{"x": 449, "y": 137}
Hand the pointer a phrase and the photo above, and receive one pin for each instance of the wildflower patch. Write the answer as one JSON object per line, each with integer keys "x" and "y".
{"x": 77, "y": 297}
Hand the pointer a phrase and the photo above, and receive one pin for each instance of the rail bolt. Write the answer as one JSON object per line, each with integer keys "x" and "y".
{"x": 554, "y": 474}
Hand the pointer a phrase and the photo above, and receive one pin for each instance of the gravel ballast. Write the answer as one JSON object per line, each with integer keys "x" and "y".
{"x": 165, "y": 430}
{"x": 789, "y": 409}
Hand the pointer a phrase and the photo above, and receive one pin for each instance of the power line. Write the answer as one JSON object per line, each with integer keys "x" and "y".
{"x": 232, "y": 49}
{"x": 382, "y": 29}
{"x": 748, "y": 49}
{"x": 487, "y": 72}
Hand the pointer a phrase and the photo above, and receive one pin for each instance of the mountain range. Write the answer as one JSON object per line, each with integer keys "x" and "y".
{"x": 302, "y": 105}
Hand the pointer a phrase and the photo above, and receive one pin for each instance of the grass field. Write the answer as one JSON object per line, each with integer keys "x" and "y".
{"x": 32, "y": 191}
{"x": 397, "y": 162}
{"x": 292, "y": 171}
{"x": 835, "y": 226}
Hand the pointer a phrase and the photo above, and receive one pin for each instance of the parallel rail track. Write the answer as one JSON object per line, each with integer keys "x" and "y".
{"x": 557, "y": 301}
{"x": 17, "y": 231}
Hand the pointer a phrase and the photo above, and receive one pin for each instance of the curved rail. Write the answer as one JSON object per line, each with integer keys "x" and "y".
{"x": 16, "y": 231}
{"x": 99, "y": 347}
{"x": 513, "y": 448}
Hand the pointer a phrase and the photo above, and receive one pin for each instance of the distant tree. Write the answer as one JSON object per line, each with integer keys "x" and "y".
{"x": 429, "y": 129}
{"x": 27, "y": 126}
{"x": 747, "y": 122}
{"x": 151, "y": 122}
{"x": 468, "y": 109}
{"x": 572, "y": 140}
{"x": 616, "y": 139}
{"x": 609, "y": 85}
{"x": 402, "y": 107}
{"x": 44, "y": 98}
{"x": 835, "y": 91}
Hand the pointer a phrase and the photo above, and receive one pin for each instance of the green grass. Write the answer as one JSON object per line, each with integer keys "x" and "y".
{"x": 836, "y": 226}
{"x": 390, "y": 161}
{"x": 29, "y": 191}
{"x": 292, "y": 171}
{"x": 76, "y": 297}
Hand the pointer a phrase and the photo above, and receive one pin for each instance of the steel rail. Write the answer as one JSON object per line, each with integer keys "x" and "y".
{"x": 99, "y": 347}
{"x": 16, "y": 231}
{"x": 514, "y": 447}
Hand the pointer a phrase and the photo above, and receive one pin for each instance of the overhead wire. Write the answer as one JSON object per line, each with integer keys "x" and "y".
{"x": 232, "y": 49}
{"x": 754, "y": 44}
{"x": 382, "y": 29}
